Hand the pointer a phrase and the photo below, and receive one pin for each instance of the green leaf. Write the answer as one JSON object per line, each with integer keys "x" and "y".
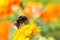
{"x": 12, "y": 33}
{"x": 44, "y": 27}
{"x": 15, "y": 16}
{"x": 55, "y": 1}
{"x": 37, "y": 0}
{"x": 36, "y": 37}
{"x": 55, "y": 24}
{"x": 25, "y": 2}
{"x": 1, "y": 20}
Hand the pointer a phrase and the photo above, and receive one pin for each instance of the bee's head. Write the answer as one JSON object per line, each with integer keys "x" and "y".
{"x": 21, "y": 20}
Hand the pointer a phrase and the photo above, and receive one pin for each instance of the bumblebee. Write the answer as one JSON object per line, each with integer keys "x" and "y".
{"x": 20, "y": 21}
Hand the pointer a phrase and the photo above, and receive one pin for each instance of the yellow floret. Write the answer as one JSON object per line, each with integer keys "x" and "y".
{"x": 25, "y": 32}
{"x": 27, "y": 38}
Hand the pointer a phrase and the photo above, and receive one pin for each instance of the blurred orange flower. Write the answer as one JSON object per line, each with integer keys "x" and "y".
{"x": 5, "y": 28}
{"x": 52, "y": 12}
{"x": 6, "y": 7}
{"x": 32, "y": 9}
